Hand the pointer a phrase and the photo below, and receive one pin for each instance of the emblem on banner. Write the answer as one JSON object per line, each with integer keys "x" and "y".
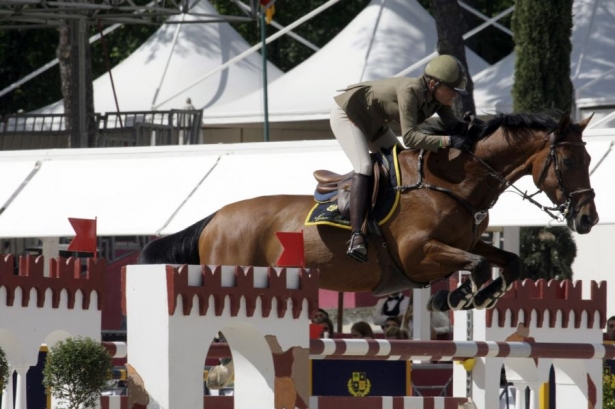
{"x": 359, "y": 385}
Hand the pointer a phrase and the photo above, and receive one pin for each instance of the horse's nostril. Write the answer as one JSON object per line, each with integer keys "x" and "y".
{"x": 586, "y": 220}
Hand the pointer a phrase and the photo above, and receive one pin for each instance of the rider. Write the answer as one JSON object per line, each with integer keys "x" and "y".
{"x": 360, "y": 121}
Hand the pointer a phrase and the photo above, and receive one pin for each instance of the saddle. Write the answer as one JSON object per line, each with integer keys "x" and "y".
{"x": 336, "y": 187}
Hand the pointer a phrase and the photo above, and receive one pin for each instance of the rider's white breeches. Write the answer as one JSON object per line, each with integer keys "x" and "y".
{"x": 355, "y": 143}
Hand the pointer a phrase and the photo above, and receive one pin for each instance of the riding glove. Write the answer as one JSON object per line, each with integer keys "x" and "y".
{"x": 459, "y": 142}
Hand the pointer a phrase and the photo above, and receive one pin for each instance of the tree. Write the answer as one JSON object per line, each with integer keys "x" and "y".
{"x": 73, "y": 50}
{"x": 547, "y": 252}
{"x": 4, "y": 370}
{"x": 542, "y": 31}
{"x": 451, "y": 27}
{"x": 76, "y": 371}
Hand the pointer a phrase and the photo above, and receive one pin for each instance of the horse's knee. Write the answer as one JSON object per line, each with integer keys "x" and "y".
{"x": 512, "y": 269}
{"x": 481, "y": 271}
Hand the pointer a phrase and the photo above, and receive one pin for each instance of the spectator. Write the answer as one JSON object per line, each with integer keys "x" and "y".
{"x": 396, "y": 333}
{"x": 610, "y": 329}
{"x": 440, "y": 325}
{"x": 394, "y": 305}
{"x": 361, "y": 329}
{"x": 392, "y": 322}
{"x": 327, "y": 328}
{"x": 320, "y": 316}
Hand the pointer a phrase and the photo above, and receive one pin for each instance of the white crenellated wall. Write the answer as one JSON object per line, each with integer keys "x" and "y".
{"x": 24, "y": 326}
{"x": 180, "y": 341}
{"x": 537, "y": 311}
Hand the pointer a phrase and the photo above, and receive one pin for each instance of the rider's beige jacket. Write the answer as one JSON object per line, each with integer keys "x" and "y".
{"x": 372, "y": 105}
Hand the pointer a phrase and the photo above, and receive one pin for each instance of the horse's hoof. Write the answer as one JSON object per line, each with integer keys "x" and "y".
{"x": 482, "y": 300}
{"x": 456, "y": 303}
{"x": 438, "y": 302}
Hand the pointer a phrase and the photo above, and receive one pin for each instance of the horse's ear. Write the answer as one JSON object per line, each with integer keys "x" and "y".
{"x": 564, "y": 123}
{"x": 583, "y": 124}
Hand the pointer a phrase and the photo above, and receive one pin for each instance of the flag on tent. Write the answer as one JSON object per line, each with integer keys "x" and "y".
{"x": 269, "y": 7}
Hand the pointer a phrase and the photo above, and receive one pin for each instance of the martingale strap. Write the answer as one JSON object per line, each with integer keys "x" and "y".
{"x": 478, "y": 214}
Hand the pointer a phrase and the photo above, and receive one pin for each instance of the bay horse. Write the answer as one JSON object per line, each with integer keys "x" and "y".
{"x": 437, "y": 226}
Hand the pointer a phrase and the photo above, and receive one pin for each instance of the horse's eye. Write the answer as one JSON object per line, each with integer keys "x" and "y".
{"x": 568, "y": 162}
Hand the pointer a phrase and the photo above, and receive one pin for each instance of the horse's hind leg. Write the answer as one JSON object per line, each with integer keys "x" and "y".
{"x": 454, "y": 259}
{"x": 511, "y": 270}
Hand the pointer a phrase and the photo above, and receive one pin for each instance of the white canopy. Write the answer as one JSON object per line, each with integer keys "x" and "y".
{"x": 384, "y": 39}
{"x": 174, "y": 58}
{"x": 592, "y": 64}
{"x": 161, "y": 190}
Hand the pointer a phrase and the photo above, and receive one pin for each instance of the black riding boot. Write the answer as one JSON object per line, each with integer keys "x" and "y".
{"x": 358, "y": 209}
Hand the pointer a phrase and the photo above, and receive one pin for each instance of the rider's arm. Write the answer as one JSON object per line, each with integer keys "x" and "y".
{"x": 408, "y": 102}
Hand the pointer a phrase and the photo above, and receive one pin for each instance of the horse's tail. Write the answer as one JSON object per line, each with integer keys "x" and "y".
{"x": 179, "y": 248}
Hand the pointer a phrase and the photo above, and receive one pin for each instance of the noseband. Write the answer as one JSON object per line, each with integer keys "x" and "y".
{"x": 564, "y": 208}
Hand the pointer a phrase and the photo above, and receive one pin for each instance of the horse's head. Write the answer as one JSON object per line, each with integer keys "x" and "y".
{"x": 561, "y": 170}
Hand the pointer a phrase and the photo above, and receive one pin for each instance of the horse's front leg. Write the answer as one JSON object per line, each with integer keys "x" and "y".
{"x": 453, "y": 259}
{"x": 511, "y": 271}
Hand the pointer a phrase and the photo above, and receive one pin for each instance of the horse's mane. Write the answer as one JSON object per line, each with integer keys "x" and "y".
{"x": 515, "y": 125}
{"x": 521, "y": 123}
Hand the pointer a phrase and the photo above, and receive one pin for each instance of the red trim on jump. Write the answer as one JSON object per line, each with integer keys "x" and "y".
{"x": 553, "y": 296}
{"x": 177, "y": 285}
{"x": 65, "y": 275}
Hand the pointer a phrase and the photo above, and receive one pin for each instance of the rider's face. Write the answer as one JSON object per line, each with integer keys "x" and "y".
{"x": 444, "y": 94}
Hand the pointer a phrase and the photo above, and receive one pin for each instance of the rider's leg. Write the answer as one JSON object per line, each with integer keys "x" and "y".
{"x": 359, "y": 193}
{"x": 354, "y": 144}
{"x": 387, "y": 140}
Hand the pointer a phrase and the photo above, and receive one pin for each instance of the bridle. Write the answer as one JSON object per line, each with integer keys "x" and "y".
{"x": 563, "y": 208}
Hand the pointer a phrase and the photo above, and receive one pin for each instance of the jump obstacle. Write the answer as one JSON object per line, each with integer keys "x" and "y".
{"x": 174, "y": 313}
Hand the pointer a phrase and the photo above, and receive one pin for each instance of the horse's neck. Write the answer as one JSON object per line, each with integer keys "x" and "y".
{"x": 470, "y": 179}
{"x": 511, "y": 160}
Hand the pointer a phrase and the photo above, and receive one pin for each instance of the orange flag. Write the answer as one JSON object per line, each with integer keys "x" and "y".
{"x": 269, "y": 7}
{"x": 292, "y": 253}
{"x": 85, "y": 235}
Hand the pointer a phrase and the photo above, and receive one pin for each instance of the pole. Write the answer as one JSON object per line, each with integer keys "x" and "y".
{"x": 81, "y": 39}
{"x": 264, "y": 54}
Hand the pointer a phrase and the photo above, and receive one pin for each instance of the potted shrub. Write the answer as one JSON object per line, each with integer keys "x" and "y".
{"x": 4, "y": 370}
{"x": 76, "y": 372}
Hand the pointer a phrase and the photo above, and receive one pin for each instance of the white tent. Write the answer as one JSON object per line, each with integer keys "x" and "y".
{"x": 161, "y": 190}
{"x": 174, "y": 58}
{"x": 384, "y": 39}
{"x": 592, "y": 63}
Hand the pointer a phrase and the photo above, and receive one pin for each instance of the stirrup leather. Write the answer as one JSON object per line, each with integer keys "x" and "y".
{"x": 357, "y": 249}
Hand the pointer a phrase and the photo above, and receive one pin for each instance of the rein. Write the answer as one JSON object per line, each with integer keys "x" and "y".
{"x": 479, "y": 215}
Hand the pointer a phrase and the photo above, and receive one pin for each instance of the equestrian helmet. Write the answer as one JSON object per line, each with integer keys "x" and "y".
{"x": 448, "y": 70}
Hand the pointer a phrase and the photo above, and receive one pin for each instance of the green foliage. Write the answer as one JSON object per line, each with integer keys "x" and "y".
{"x": 24, "y": 51}
{"x": 76, "y": 371}
{"x": 547, "y": 252}
{"x": 542, "y": 43}
{"x": 286, "y": 53}
{"x": 4, "y": 370}
{"x": 608, "y": 391}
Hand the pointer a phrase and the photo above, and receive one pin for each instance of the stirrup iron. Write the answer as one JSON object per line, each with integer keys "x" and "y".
{"x": 358, "y": 251}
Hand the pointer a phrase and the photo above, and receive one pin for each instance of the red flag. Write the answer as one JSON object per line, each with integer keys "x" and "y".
{"x": 85, "y": 235}
{"x": 292, "y": 254}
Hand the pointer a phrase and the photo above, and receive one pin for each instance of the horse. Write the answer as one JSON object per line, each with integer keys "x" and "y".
{"x": 436, "y": 228}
